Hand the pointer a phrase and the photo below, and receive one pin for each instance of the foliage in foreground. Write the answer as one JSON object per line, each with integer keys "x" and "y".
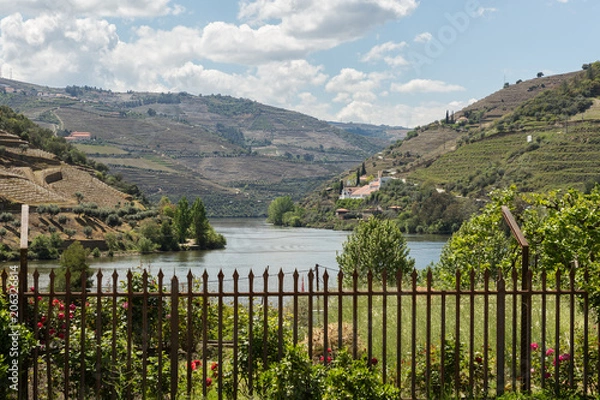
{"x": 561, "y": 228}
{"x": 375, "y": 246}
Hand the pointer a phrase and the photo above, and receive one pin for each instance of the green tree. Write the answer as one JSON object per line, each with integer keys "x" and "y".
{"x": 377, "y": 246}
{"x": 168, "y": 241}
{"x": 200, "y": 225}
{"x": 182, "y": 219}
{"x": 560, "y": 226}
{"x": 278, "y": 208}
{"x": 45, "y": 247}
{"x": 74, "y": 259}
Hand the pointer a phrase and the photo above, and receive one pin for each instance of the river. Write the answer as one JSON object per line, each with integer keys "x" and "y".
{"x": 252, "y": 244}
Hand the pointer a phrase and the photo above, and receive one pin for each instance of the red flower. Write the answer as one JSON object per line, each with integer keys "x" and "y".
{"x": 61, "y": 307}
{"x": 329, "y": 350}
{"x": 55, "y": 302}
{"x": 195, "y": 364}
{"x": 549, "y": 352}
{"x": 61, "y": 315}
{"x": 374, "y": 361}
{"x": 208, "y": 381}
{"x": 72, "y": 307}
{"x": 534, "y": 346}
{"x": 214, "y": 366}
{"x": 40, "y": 325}
{"x": 329, "y": 359}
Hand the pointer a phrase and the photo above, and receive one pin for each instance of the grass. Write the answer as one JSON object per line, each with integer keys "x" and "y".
{"x": 134, "y": 162}
{"x": 100, "y": 149}
{"x": 396, "y": 337}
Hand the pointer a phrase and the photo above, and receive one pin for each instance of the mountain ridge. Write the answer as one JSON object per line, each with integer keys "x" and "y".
{"x": 236, "y": 154}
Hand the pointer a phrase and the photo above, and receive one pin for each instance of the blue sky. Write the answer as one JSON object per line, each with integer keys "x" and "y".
{"x": 394, "y": 62}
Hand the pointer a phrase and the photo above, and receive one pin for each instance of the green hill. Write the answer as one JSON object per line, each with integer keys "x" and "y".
{"x": 538, "y": 135}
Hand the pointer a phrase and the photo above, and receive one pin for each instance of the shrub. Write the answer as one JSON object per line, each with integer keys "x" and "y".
{"x": 87, "y": 231}
{"x": 6, "y": 217}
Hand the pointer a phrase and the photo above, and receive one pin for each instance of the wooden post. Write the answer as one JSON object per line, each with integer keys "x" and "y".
{"x": 23, "y": 274}
{"x": 525, "y": 300}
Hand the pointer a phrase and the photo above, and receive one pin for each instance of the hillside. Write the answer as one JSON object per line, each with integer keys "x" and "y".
{"x": 539, "y": 134}
{"x": 236, "y": 154}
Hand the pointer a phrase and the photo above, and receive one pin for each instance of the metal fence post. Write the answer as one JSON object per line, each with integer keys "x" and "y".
{"x": 500, "y": 334}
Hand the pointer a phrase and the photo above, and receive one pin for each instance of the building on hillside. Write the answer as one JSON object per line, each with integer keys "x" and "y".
{"x": 362, "y": 192}
{"x": 79, "y": 136}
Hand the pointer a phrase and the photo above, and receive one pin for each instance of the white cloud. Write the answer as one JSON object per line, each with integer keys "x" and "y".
{"x": 55, "y": 47}
{"x": 423, "y": 37}
{"x": 425, "y": 86}
{"x": 353, "y": 85}
{"x": 483, "y": 11}
{"x": 338, "y": 20}
{"x": 378, "y": 52}
{"x": 397, "y": 114}
{"x": 95, "y": 8}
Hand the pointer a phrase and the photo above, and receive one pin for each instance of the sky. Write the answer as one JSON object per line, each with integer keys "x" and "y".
{"x": 390, "y": 62}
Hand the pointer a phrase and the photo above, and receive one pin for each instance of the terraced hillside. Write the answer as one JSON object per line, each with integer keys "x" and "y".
{"x": 32, "y": 176}
{"x": 236, "y": 153}
{"x": 548, "y": 140}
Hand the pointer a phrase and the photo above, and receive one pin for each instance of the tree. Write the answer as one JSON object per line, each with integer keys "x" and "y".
{"x": 74, "y": 259}
{"x": 168, "y": 241}
{"x": 182, "y": 219}
{"x": 88, "y": 231}
{"x": 45, "y": 247}
{"x": 560, "y": 226}
{"x": 200, "y": 225}
{"x": 540, "y": 74}
{"x": 278, "y": 208}
{"x": 377, "y": 246}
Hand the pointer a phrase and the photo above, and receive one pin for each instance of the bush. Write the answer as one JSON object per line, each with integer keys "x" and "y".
{"x": 6, "y": 217}
{"x": 113, "y": 220}
{"x": 88, "y": 231}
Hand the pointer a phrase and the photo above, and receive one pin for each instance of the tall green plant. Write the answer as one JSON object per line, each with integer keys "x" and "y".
{"x": 375, "y": 246}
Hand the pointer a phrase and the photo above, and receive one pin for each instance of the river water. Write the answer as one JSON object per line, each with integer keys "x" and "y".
{"x": 252, "y": 244}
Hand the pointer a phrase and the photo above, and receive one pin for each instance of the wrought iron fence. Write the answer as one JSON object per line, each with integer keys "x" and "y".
{"x": 143, "y": 336}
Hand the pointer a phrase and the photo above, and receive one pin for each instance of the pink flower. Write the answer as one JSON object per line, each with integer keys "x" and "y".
{"x": 125, "y": 305}
{"x": 564, "y": 357}
{"x": 534, "y": 346}
{"x": 329, "y": 359}
{"x": 329, "y": 350}
{"x": 549, "y": 352}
